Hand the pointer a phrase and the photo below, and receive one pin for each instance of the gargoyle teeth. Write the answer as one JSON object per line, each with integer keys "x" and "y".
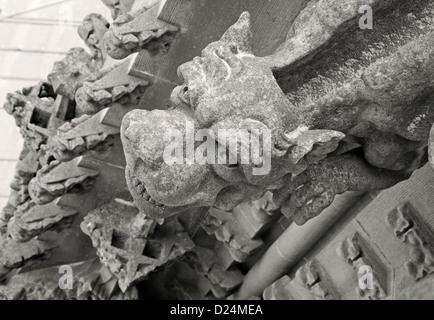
{"x": 141, "y": 190}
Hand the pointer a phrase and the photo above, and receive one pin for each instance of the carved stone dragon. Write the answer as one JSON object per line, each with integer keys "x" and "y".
{"x": 340, "y": 121}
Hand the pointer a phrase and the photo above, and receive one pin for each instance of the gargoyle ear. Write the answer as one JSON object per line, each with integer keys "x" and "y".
{"x": 240, "y": 33}
{"x": 315, "y": 144}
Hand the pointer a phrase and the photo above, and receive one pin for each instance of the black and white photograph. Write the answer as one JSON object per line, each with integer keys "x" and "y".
{"x": 229, "y": 152}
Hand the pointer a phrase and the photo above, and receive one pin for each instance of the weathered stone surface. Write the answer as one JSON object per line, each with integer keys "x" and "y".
{"x": 351, "y": 251}
{"x": 422, "y": 290}
{"x": 256, "y": 216}
{"x": 347, "y": 109}
{"x": 82, "y": 135}
{"x": 31, "y": 109}
{"x": 91, "y": 281}
{"x": 69, "y": 74}
{"x": 228, "y": 230}
{"x": 277, "y": 291}
{"x": 31, "y": 220}
{"x": 25, "y": 171}
{"x": 360, "y": 94}
{"x": 118, "y": 7}
{"x": 136, "y": 31}
{"x": 14, "y": 255}
{"x": 92, "y": 32}
{"x": 111, "y": 86}
{"x": 205, "y": 263}
{"x": 213, "y": 90}
{"x": 128, "y": 257}
{"x": 59, "y": 178}
{"x": 410, "y": 229}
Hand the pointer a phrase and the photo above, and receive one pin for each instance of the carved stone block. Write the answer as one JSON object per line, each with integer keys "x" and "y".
{"x": 355, "y": 251}
{"x": 228, "y": 230}
{"x": 409, "y": 228}
{"x": 129, "y": 258}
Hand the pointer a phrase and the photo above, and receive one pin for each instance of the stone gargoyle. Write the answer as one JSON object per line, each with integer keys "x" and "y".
{"x": 354, "y": 115}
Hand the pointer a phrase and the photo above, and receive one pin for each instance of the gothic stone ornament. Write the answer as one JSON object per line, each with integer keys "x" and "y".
{"x": 205, "y": 263}
{"x": 378, "y": 98}
{"x": 412, "y": 230}
{"x": 140, "y": 30}
{"x": 91, "y": 281}
{"x": 83, "y": 135}
{"x": 25, "y": 171}
{"x": 214, "y": 96}
{"x": 353, "y": 251}
{"x": 106, "y": 88}
{"x": 69, "y": 74}
{"x": 118, "y": 7}
{"x": 92, "y": 32}
{"x": 31, "y": 220}
{"x": 316, "y": 281}
{"x": 14, "y": 255}
{"x": 59, "y": 178}
{"x": 31, "y": 109}
{"x": 229, "y": 231}
{"x": 129, "y": 257}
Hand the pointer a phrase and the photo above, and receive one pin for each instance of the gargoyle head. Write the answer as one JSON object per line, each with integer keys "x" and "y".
{"x": 227, "y": 88}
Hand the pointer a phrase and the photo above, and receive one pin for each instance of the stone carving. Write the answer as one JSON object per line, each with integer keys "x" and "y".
{"x": 421, "y": 290}
{"x": 31, "y": 220}
{"x": 256, "y": 216}
{"x": 92, "y": 32}
{"x": 118, "y": 7}
{"x": 411, "y": 229}
{"x": 105, "y": 88}
{"x": 91, "y": 281}
{"x": 310, "y": 192}
{"x": 351, "y": 251}
{"x": 278, "y": 290}
{"x": 130, "y": 258}
{"x": 311, "y": 113}
{"x": 222, "y": 186}
{"x": 69, "y": 74}
{"x": 58, "y": 178}
{"x": 14, "y": 255}
{"x": 310, "y": 282}
{"x": 205, "y": 263}
{"x": 80, "y": 136}
{"x": 63, "y": 110}
{"x": 31, "y": 109}
{"x": 316, "y": 281}
{"x": 347, "y": 110}
{"x": 228, "y": 230}
{"x": 25, "y": 171}
{"x": 137, "y": 31}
